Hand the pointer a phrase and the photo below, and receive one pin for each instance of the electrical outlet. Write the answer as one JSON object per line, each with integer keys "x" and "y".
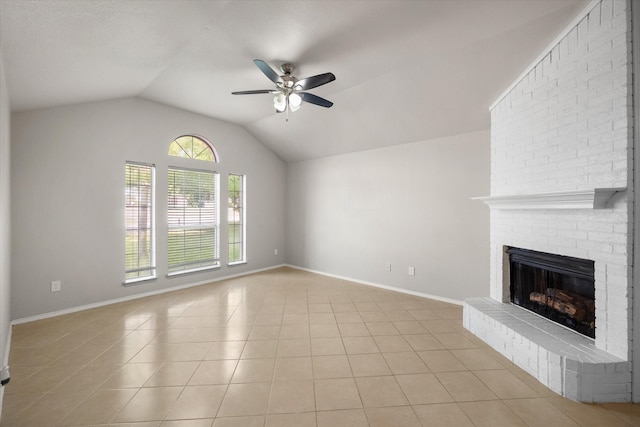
{"x": 388, "y": 266}
{"x": 56, "y": 286}
{"x": 412, "y": 271}
{"x": 275, "y": 252}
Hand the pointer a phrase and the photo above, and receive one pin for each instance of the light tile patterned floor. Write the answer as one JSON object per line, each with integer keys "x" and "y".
{"x": 278, "y": 348}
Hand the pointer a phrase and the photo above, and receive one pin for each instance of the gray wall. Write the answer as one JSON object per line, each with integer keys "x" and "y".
{"x": 407, "y": 205}
{"x": 4, "y": 221}
{"x": 346, "y": 215}
{"x": 67, "y": 204}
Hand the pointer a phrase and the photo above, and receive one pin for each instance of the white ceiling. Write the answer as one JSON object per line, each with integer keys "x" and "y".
{"x": 405, "y": 71}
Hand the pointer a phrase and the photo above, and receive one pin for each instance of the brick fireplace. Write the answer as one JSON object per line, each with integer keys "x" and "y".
{"x": 562, "y": 183}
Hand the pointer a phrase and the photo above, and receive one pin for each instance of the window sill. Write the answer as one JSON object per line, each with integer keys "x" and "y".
{"x": 131, "y": 282}
{"x": 232, "y": 264}
{"x": 193, "y": 270}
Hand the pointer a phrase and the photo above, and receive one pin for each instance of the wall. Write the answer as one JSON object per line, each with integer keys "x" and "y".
{"x": 68, "y": 198}
{"x": 407, "y": 205}
{"x": 4, "y": 222}
{"x": 567, "y": 125}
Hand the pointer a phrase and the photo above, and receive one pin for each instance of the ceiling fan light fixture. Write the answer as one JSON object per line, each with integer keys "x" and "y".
{"x": 294, "y": 109}
{"x": 280, "y": 102}
{"x": 294, "y": 102}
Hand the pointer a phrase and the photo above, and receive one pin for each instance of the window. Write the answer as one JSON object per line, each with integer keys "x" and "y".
{"x": 192, "y": 209}
{"x": 236, "y": 219}
{"x": 193, "y": 241}
{"x": 140, "y": 261}
{"x": 192, "y": 147}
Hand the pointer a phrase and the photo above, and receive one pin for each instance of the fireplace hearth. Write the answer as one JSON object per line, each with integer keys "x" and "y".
{"x": 557, "y": 287}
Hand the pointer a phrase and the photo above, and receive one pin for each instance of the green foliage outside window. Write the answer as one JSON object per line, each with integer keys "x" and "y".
{"x": 191, "y": 147}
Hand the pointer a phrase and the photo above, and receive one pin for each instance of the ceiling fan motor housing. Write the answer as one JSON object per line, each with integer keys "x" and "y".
{"x": 288, "y": 80}
{"x": 287, "y": 68}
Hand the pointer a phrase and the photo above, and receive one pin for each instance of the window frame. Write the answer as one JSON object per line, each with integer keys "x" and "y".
{"x": 172, "y": 269}
{"x": 242, "y": 221}
{"x": 153, "y": 267}
{"x": 188, "y": 157}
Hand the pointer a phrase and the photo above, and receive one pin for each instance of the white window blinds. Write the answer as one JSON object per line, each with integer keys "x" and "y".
{"x": 193, "y": 238}
{"x": 236, "y": 218}
{"x": 140, "y": 262}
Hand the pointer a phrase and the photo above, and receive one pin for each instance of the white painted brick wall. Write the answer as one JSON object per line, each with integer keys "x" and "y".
{"x": 567, "y": 125}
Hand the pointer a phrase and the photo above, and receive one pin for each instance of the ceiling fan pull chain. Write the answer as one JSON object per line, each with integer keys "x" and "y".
{"x": 286, "y": 110}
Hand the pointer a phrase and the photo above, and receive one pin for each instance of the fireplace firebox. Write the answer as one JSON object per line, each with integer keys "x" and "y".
{"x": 557, "y": 287}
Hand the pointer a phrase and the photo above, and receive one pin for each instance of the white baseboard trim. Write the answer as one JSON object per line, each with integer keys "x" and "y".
{"x": 379, "y": 285}
{"x": 134, "y": 297}
{"x": 217, "y": 279}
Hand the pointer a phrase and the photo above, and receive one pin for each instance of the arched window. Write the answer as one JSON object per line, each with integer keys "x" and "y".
{"x": 193, "y": 147}
{"x": 192, "y": 208}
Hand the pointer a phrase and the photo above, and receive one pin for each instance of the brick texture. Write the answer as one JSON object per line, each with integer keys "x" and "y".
{"x": 567, "y": 125}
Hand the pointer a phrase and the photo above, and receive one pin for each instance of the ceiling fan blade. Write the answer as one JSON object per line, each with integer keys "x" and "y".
{"x": 268, "y": 71}
{"x": 315, "y": 81}
{"x": 314, "y": 99}
{"x": 253, "y": 92}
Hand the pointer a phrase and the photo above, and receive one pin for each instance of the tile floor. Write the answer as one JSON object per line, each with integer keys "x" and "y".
{"x": 278, "y": 348}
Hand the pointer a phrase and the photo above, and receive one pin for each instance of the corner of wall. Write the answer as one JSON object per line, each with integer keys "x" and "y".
{"x": 635, "y": 30}
{"x": 5, "y": 236}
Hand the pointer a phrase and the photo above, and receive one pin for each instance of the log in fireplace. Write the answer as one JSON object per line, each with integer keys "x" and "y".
{"x": 558, "y": 287}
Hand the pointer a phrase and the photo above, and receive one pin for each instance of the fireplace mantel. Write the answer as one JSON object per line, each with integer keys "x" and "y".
{"x": 595, "y": 198}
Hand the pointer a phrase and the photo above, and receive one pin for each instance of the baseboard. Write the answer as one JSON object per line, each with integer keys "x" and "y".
{"x": 217, "y": 279}
{"x": 136, "y": 296}
{"x": 379, "y": 285}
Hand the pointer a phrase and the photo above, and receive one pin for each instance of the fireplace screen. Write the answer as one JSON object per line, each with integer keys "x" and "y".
{"x": 557, "y": 287}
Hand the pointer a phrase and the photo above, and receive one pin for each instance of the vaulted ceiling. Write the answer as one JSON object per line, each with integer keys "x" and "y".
{"x": 405, "y": 71}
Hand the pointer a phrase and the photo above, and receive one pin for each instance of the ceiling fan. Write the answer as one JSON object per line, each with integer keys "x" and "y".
{"x": 289, "y": 91}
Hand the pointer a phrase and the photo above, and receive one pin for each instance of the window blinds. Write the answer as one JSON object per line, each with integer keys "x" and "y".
{"x": 139, "y": 222}
{"x": 235, "y": 216}
{"x": 193, "y": 241}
